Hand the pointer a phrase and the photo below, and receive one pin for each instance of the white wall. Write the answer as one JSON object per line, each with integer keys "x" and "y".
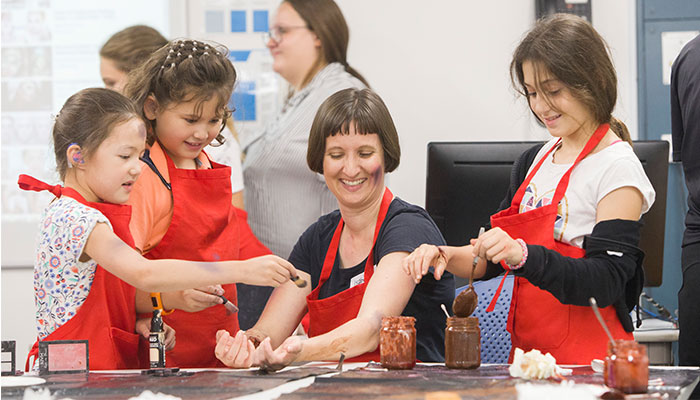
{"x": 442, "y": 70}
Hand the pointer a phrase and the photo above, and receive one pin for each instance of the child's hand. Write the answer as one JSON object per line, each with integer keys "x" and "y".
{"x": 169, "y": 337}
{"x": 194, "y": 300}
{"x": 268, "y": 270}
{"x": 425, "y": 256}
{"x": 234, "y": 352}
{"x": 143, "y": 328}
{"x": 496, "y": 245}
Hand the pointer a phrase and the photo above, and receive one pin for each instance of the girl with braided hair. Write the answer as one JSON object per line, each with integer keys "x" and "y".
{"x": 182, "y": 205}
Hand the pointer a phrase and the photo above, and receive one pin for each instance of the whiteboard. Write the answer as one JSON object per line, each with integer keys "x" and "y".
{"x": 50, "y": 51}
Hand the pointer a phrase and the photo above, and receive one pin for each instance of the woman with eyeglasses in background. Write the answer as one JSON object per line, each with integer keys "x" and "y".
{"x": 308, "y": 40}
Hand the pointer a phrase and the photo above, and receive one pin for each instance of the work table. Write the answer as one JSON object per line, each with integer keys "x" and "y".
{"x": 358, "y": 380}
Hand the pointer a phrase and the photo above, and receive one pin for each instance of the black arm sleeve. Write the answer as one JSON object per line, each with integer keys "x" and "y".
{"x": 611, "y": 266}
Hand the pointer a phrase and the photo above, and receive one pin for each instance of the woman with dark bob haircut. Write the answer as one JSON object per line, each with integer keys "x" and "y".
{"x": 351, "y": 256}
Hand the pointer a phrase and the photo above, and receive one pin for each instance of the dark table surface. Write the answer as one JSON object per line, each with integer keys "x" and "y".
{"x": 424, "y": 381}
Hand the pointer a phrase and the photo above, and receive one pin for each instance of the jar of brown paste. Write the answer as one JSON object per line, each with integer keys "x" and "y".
{"x": 627, "y": 366}
{"x": 397, "y": 342}
{"x": 462, "y": 343}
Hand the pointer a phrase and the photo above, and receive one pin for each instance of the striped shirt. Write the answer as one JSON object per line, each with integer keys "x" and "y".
{"x": 282, "y": 195}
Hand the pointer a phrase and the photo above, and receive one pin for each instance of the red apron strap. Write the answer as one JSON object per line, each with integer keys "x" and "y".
{"x": 590, "y": 145}
{"x": 27, "y": 182}
{"x": 330, "y": 255}
{"x": 492, "y": 305}
{"x": 517, "y": 198}
{"x": 329, "y": 260}
{"x": 558, "y": 194}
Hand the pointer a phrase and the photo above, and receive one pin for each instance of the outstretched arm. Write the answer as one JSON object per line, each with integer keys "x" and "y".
{"x": 359, "y": 335}
{"x": 611, "y": 261}
{"x": 118, "y": 258}
{"x": 455, "y": 259}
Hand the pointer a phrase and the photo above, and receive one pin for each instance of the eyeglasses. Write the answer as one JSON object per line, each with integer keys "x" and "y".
{"x": 277, "y": 32}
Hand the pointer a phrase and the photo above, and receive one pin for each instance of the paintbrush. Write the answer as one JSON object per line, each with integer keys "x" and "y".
{"x": 230, "y": 307}
{"x": 299, "y": 281}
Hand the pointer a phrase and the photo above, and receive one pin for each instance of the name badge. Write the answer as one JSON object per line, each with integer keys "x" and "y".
{"x": 357, "y": 279}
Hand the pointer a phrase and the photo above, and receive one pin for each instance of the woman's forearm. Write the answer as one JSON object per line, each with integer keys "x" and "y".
{"x": 354, "y": 338}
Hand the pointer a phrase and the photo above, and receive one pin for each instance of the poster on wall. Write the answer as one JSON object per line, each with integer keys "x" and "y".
{"x": 240, "y": 25}
{"x": 50, "y": 51}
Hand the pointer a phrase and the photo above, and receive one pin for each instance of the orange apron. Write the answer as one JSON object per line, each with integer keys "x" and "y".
{"x": 332, "y": 312}
{"x": 204, "y": 227}
{"x": 537, "y": 320}
{"x": 107, "y": 317}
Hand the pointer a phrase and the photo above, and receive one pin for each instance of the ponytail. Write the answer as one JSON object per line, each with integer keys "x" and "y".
{"x": 620, "y": 129}
{"x": 350, "y": 70}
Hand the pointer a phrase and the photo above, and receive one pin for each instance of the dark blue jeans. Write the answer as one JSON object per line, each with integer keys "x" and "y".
{"x": 689, "y": 310}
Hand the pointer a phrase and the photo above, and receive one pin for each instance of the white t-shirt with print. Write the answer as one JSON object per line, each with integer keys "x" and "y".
{"x": 592, "y": 179}
{"x": 61, "y": 281}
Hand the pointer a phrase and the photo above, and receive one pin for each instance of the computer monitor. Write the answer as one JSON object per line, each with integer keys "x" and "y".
{"x": 466, "y": 182}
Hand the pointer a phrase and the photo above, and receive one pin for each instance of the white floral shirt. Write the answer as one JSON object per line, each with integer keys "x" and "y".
{"x": 61, "y": 281}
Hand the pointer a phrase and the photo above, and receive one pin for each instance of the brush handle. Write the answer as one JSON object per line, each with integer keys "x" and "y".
{"x": 230, "y": 306}
{"x": 594, "y": 305}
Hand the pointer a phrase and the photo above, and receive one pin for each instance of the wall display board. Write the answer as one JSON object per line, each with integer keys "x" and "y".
{"x": 240, "y": 25}
{"x": 50, "y": 51}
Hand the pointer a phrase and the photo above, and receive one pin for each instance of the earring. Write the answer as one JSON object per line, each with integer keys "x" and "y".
{"x": 77, "y": 158}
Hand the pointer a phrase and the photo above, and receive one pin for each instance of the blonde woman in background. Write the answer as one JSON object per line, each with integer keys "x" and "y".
{"x": 308, "y": 41}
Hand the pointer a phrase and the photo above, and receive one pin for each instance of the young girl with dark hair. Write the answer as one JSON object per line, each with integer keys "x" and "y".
{"x": 569, "y": 227}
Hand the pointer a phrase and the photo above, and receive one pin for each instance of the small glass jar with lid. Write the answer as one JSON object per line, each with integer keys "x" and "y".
{"x": 462, "y": 343}
{"x": 397, "y": 342}
{"x": 627, "y": 367}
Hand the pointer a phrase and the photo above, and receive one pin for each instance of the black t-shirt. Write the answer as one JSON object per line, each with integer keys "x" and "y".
{"x": 685, "y": 126}
{"x": 405, "y": 228}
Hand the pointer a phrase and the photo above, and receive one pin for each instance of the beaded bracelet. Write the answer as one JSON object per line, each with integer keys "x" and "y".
{"x": 519, "y": 265}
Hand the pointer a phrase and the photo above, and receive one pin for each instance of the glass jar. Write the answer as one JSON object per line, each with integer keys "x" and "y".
{"x": 462, "y": 343}
{"x": 397, "y": 342}
{"x": 627, "y": 367}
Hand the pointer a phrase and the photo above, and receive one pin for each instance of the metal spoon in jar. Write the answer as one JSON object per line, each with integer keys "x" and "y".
{"x": 594, "y": 305}
{"x": 465, "y": 303}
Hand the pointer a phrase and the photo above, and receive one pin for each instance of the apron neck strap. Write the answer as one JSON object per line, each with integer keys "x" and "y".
{"x": 590, "y": 145}
{"x": 335, "y": 241}
{"x": 593, "y": 141}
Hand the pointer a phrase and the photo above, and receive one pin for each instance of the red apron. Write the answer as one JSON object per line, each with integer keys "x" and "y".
{"x": 204, "y": 227}
{"x": 332, "y": 312}
{"x": 537, "y": 320}
{"x": 108, "y": 315}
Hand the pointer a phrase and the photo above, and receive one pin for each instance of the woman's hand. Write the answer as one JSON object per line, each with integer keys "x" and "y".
{"x": 268, "y": 270}
{"x": 277, "y": 359}
{"x": 234, "y": 352}
{"x": 421, "y": 259}
{"x": 496, "y": 245}
{"x": 143, "y": 328}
